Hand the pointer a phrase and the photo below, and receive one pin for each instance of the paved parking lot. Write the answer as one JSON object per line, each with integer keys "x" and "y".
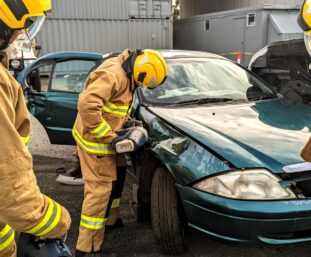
{"x": 133, "y": 239}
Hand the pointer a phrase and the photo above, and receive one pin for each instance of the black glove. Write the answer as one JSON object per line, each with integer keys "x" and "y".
{"x": 121, "y": 135}
{"x": 133, "y": 123}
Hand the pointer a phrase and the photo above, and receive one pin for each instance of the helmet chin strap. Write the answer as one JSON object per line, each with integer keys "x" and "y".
{"x": 5, "y": 35}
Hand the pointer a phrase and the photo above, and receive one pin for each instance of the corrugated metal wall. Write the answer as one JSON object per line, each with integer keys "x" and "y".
{"x": 193, "y": 7}
{"x": 107, "y": 25}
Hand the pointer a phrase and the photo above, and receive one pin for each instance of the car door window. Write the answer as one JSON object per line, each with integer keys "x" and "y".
{"x": 38, "y": 79}
{"x": 69, "y": 76}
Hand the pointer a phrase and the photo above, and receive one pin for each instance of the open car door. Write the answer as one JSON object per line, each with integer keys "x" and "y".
{"x": 53, "y": 89}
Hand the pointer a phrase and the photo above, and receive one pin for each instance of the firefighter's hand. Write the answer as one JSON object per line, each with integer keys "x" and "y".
{"x": 133, "y": 123}
{"x": 121, "y": 135}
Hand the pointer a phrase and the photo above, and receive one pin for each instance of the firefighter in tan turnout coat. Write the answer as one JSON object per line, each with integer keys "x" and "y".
{"x": 103, "y": 107}
{"x": 304, "y": 20}
{"x": 23, "y": 208}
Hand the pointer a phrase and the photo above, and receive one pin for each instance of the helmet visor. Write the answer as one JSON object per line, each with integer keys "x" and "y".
{"x": 307, "y": 38}
{"x": 23, "y": 43}
{"x": 33, "y": 26}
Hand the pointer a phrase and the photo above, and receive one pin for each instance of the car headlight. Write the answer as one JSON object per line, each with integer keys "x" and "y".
{"x": 249, "y": 184}
{"x": 16, "y": 64}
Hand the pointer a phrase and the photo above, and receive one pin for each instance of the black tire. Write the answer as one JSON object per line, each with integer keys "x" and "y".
{"x": 168, "y": 221}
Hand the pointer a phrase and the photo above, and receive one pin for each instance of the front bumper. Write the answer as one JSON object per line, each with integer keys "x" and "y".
{"x": 272, "y": 222}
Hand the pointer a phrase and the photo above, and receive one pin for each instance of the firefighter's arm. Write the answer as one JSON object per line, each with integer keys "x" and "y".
{"x": 101, "y": 86}
{"x": 22, "y": 121}
{"x": 306, "y": 151}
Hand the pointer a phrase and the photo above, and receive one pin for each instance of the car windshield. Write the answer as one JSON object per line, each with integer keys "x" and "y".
{"x": 205, "y": 79}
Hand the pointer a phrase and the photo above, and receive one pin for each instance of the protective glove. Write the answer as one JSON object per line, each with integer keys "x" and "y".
{"x": 133, "y": 123}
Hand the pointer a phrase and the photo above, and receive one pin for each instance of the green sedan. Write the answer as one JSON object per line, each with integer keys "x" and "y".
{"x": 223, "y": 155}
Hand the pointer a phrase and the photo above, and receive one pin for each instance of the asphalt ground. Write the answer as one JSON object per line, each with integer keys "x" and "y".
{"x": 134, "y": 239}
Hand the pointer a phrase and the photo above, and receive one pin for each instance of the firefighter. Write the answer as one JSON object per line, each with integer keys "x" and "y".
{"x": 103, "y": 108}
{"x": 304, "y": 20}
{"x": 23, "y": 208}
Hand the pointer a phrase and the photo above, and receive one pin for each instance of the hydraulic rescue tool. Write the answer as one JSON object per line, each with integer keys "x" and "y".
{"x": 131, "y": 138}
{"x": 31, "y": 246}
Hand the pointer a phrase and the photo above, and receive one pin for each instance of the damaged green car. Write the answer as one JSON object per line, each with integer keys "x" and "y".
{"x": 223, "y": 155}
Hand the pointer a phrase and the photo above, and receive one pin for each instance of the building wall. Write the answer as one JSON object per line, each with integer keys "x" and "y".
{"x": 193, "y": 7}
{"x": 237, "y": 35}
{"x": 107, "y": 25}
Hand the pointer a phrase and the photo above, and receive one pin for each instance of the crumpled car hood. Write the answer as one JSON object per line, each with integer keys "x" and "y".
{"x": 268, "y": 134}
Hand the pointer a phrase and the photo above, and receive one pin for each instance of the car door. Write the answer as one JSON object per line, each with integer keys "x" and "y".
{"x": 53, "y": 95}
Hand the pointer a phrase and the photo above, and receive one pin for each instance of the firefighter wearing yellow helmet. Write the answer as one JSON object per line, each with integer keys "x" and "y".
{"x": 103, "y": 108}
{"x": 23, "y": 208}
{"x": 304, "y": 21}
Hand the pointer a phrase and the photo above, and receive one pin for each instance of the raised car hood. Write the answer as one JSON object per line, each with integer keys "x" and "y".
{"x": 267, "y": 134}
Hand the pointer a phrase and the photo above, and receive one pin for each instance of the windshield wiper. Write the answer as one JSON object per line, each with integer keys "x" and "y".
{"x": 205, "y": 101}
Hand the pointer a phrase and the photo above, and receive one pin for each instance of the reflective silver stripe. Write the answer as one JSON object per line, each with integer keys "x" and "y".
{"x": 91, "y": 147}
{"x": 116, "y": 203}
{"x": 115, "y": 109}
{"x": 6, "y": 236}
{"x": 101, "y": 131}
{"x": 49, "y": 222}
{"x": 92, "y": 223}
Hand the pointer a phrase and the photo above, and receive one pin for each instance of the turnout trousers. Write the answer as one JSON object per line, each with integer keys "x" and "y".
{"x": 99, "y": 175}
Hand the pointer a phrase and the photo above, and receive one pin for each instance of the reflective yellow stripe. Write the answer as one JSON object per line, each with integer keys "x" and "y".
{"x": 116, "y": 109}
{"x": 92, "y": 223}
{"x": 6, "y": 237}
{"x": 115, "y": 203}
{"x": 25, "y": 140}
{"x": 131, "y": 107}
{"x": 49, "y": 221}
{"x": 95, "y": 148}
{"x": 101, "y": 130}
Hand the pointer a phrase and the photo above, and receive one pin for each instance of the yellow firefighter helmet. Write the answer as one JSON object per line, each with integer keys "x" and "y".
{"x": 22, "y": 14}
{"x": 304, "y": 20}
{"x": 15, "y": 13}
{"x": 149, "y": 69}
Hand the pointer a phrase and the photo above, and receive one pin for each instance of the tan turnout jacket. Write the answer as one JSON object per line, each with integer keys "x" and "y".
{"x": 306, "y": 152}
{"x": 103, "y": 106}
{"x": 23, "y": 208}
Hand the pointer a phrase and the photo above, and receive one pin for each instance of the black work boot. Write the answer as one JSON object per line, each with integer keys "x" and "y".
{"x": 94, "y": 254}
{"x": 118, "y": 224}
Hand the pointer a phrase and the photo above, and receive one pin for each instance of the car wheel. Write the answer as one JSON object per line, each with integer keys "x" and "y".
{"x": 168, "y": 220}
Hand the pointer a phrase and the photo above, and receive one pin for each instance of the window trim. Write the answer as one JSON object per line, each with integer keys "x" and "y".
{"x": 50, "y": 89}
{"x": 209, "y": 25}
{"x": 248, "y": 24}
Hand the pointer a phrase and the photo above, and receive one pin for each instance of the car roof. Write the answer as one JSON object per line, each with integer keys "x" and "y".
{"x": 180, "y": 54}
{"x": 167, "y": 54}
{"x": 71, "y": 54}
